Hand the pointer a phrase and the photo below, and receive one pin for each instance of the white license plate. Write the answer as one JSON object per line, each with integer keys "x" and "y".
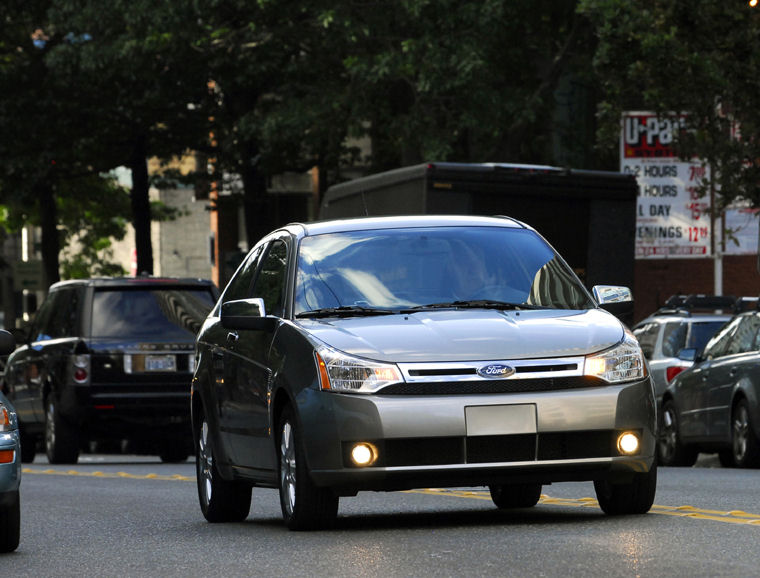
{"x": 160, "y": 363}
{"x": 486, "y": 420}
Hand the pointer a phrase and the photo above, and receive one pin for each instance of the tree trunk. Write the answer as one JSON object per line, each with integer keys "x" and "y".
{"x": 51, "y": 243}
{"x": 255, "y": 202}
{"x": 141, "y": 207}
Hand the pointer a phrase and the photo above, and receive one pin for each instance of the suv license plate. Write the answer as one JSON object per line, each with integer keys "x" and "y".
{"x": 160, "y": 363}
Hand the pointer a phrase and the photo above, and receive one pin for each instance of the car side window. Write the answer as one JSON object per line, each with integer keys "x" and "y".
{"x": 743, "y": 338}
{"x": 65, "y": 315}
{"x": 717, "y": 346}
{"x": 240, "y": 285}
{"x": 40, "y": 327}
{"x": 270, "y": 282}
{"x": 673, "y": 338}
{"x": 647, "y": 336}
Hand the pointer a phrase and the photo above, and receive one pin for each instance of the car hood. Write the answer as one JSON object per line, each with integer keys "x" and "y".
{"x": 462, "y": 335}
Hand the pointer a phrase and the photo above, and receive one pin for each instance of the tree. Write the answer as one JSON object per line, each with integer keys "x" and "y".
{"x": 140, "y": 84}
{"x": 696, "y": 57}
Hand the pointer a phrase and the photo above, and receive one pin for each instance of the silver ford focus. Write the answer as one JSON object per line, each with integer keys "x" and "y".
{"x": 403, "y": 352}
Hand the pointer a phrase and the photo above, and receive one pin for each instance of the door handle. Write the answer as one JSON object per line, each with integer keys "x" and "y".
{"x": 232, "y": 337}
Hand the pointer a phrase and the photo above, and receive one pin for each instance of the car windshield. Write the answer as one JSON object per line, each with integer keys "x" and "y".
{"x": 150, "y": 313}
{"x": 439, "y": 267}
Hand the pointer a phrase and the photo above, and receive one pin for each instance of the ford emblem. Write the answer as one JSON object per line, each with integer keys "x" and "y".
{"x": 495, "y": 370}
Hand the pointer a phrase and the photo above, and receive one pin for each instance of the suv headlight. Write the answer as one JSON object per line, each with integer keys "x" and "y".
{"x": 345, "y": 373}
{"x": 624, "y": 362}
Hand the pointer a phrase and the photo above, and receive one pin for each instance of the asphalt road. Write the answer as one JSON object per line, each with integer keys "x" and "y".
{"x": 132, "y": 516}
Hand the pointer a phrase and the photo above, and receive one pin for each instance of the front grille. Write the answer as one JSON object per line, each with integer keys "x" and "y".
{"x": 491, "y": 449}
{"x": 576, "y": 445}
{"x": 491, "y": 386}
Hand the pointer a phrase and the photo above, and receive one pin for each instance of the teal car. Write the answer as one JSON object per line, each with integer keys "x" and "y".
{"x": 10, "y": 465}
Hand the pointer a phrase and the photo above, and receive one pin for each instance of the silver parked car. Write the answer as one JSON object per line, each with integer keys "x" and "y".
{"x": 684, "y": 322}
{"x": 404, "y": 352}
{"x": 10, "y": 465}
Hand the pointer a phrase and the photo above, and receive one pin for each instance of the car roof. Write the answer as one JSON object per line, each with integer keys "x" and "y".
{"x": 140, "y": 281}
{"x": 398, "y": 222}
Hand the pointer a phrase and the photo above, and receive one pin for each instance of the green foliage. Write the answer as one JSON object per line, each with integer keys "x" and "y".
{"x": 700, "y": 57}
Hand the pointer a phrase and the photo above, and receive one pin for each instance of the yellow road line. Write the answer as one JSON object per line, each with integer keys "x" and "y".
{"x": 729, "y": 517}
{"x": 98, "y": 474}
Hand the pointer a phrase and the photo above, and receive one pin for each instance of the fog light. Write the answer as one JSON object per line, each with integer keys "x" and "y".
{"x": 364, "y": 454}
{"x": 628, "y": 443}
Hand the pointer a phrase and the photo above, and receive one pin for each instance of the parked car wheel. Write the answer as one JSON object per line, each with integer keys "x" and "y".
{"x": 746, "y": 450}
{"x": 634, "y": 497}
{"x": 507, "y": 496}
{"x": 304, "y": 505}
{"x": 10, "y": 524}
{"x": 61, "y": 439}
{"x": 221, "y": 500}
{"x": 670, "y": 449}
{"x": 726, "y": 458}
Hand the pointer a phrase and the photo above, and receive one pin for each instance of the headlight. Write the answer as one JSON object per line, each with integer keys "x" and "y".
{"x": 345, "y": 373}
{"x": 624, "y": 362}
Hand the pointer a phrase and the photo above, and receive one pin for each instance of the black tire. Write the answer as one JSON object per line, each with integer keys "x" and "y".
{"x": 220, "y": 500}
{"x": 726, "y": 458}
{"x": 304, "y": 505}
{"x": 506, "y": 496}
{"x": 670, "y": 450}
{"x": 28, "y": 448}
{"x": 634, "y": 497}
{"x": 10, "y": 523}
{"x": 174, "y": 453}
{"x": 61, "y": 437}
{"x": 745, "y": 448}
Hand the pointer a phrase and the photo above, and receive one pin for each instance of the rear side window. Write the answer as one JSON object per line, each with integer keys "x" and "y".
{"x": 647, "y": 336}
{"x": 58, "y": 316}
{"x": 150, "y": 313}
{"x": 673, "y": 338}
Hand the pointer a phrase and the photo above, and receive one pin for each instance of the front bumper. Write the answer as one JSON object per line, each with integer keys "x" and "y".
{"x": 469, "y": 440}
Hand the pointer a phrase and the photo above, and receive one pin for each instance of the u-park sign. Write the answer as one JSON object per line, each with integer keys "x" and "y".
{"x": 672, "y": 214}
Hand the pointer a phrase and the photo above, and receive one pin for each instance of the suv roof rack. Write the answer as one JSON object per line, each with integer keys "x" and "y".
{"x": 686, "y": 304}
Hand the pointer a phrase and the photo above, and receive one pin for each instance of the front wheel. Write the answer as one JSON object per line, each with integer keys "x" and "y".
{"x": 744, "y": 443}
{"x": 507, "y": 496}
{"x": 61, "y": 437}
{"x": 670, "y": 450}
{"x": 10, "y": 524}
{"x": 221, "y": 500}
{"x": 634, "y": 497}
{"x": 304, "y": 505}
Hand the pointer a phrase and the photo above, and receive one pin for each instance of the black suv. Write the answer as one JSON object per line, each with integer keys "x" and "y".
{"x": 109, "y": 360}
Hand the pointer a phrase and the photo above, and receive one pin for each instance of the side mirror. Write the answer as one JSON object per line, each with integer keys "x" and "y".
{"x": 7, "y": 342}
{"x": 617, "y": 300}
{"x": 246, "y": 314}
{"x": 688, "y": 354}
{"x": 606, "y": 294}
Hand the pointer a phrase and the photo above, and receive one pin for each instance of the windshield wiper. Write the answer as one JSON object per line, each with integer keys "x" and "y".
{"x": 473, "y": 304}
{"x": 345, "y": 311}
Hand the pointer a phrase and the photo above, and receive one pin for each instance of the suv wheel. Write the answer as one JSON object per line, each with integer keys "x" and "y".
{"x": 10, "y": 524}
{"x": 515, "y": 495}
{"x": 61, "y": 439}
{"x": 221, "y": 500}
{"x": 671, "y": 452}
{"x": 746, "y": 450}
{"x": 634, "y": 497}
{"x": 304, "y": 505}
